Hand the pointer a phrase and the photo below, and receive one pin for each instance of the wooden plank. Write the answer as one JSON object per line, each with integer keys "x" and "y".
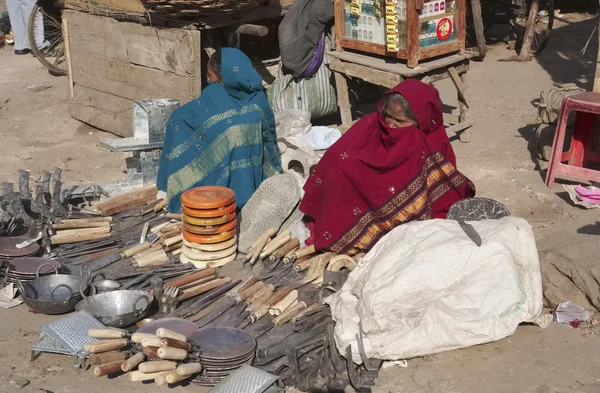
{"x": 340, "y": 23}
{"x": 341, "y": 87}
{"x": 376, "y": 77}
{"x": 412, "y": 36}
{"x": 439, "y": 50}
{"x": 129, "y": 200}
{"x": 122, "y": 5}
{"x": 164, "y": 49}
{"x": 127, "y": 80}
{"x": 438, "y": 75}
{"x": 101, "y": 110}
{"x": 362, "y": 46}
{"x": 65, "y": 33}
{"x": 465, "y": 136}
{"x": 399, "y": 67}
{"x": 460, "y": 87}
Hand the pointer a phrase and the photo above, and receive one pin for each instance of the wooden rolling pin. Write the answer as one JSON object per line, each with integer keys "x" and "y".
{"x": 288, "y": 247}
{"x": 189, "y": 369}
{"x": 169, "y": 342}
{"x": 131, "y": 363}
{"x": 166, "y": 333}
{"x": 187, "y": 294}
{"x": 285, "y": 303}
{"x": 108, "y": 368}
{"x": 68, "y": 224}
{"x": 157, "y": 366}
{"x": 169, "y": 353}
{"x": 138, "y": 376}
{"x": 77, "y": 238}
{"x": 106, "y": 333}
{"x": 190, "y": 278}
{"x": 275, "y": 244}
{"x": 107, "y": 357}
{"x": 106, "y": 345}
{"x": 139, "y": 337}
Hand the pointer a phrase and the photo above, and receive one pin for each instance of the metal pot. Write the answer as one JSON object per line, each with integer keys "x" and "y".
{"x": 117, "y": 308}
{"x": 57, "y": 294}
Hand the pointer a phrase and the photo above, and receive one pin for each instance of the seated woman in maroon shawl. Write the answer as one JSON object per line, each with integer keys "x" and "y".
{"x": 391, "y": 167}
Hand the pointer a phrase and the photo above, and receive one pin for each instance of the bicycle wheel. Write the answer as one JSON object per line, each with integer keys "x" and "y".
{"x": 543, "y": 28}
{"x": 544, "y": 21}
{"x": 45, "y": 38}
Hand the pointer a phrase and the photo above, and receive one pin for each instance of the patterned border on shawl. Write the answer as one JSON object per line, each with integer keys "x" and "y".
{"x": 211, "y": 122}
{"x": 436, "y": 178}
{"x": 212, "y": 156}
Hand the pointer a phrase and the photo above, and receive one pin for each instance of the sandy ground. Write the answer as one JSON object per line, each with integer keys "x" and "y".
{"x": 37, "y": 133}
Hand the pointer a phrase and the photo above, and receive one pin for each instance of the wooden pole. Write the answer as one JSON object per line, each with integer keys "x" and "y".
{"x": 597, "y": 76}
{"x": 525, "y": 53}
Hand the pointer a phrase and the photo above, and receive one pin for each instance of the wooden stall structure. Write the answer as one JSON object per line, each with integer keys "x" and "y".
{"x": 117, "y": 53}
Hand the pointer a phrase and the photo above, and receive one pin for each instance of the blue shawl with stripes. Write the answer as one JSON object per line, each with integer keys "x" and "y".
{"x": 226, "y": 137}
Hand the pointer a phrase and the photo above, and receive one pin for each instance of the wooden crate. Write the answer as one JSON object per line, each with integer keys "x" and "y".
{"x": 420, "y": 34}
{"x": 114, "y": 63}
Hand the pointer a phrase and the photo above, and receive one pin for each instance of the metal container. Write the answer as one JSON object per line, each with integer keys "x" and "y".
{"x": 117, "y": 308}
{"x": 57, "y": 294}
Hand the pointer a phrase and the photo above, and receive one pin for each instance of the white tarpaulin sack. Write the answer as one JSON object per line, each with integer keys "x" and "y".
{"x": 427, "y": 288}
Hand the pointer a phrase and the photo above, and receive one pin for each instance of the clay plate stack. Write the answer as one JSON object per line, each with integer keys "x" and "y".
{"x": 222, "y": 351}
{"x": 209, "y": 226}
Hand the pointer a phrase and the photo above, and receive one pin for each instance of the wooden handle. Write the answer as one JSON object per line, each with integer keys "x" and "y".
{"x": 260, "y": 243}
{"x": 105, "y": 345}
{"x": 151, "y": 352}
{"x": 155, "y": 259}
{"x": 175, "y": 239}
{"x": 175, "y": 216}
{"x": 169, "y": 342}
{"x": 172, "y": 353}
{"x": 247, "y": 283}
{"x": 132, "y": 362}
{"x": 302, "y": 263}
{"x": 287, "y": 247}
{"x": 67, "y": 224}
{"x": 262, "y": 295}
{"x": 261, "y": 312}
{"x": 189, "y": 369}
{"x": 83, "y": 231}
{"x": 160, "y": 205}
{"x": 159, "y": 227}
{"x": 303, "y": 252}
{"x": 157, "y": 366}
{"x": 107, "y": 368}
{"x": 138, "y": 376}
{"x": 285, "y": 303}
{"x": 174, "y": 377}
{"x": 276, "y": 243}
{"x": 107, "y": 357}
{"x": 106, "y": 333}
{"x": 139, "y": 337}
{"x": 77, "y": 238}
{"x": 278, "y": 296}
{"x": 151, "y": 342}
{"x": 289, "y": 313}
{"x": 287, "y": 258}
{"x": 190, "y": 278}
{"x": 245, "y": 294}
{"x": 135, "y": 249}
{"x": 197, "y": 282}
{"x": 166, "y": 333}
{"x": 204, "y": 288}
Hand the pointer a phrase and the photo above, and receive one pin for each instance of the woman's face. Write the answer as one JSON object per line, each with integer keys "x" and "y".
{"x": 211, "y": 76}
{"x": 395, "y": 116}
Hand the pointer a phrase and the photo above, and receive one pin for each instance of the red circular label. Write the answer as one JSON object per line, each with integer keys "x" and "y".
{"x": 444, "y": 29}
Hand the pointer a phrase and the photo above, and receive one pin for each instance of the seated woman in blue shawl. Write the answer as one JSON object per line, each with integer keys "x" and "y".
{"x": 226, "y": 137}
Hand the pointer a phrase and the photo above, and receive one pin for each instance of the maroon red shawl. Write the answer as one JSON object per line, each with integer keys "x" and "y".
{"x": 375, "y": 177}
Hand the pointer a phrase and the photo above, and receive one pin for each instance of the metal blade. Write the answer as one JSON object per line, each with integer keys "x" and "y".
{"x": 471, "y": 232}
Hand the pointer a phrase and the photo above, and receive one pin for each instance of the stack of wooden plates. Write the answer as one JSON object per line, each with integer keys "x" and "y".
{"x": 209, "y": 226}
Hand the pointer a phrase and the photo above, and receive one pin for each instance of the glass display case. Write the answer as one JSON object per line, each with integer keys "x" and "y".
{"x": 412, "y": 30}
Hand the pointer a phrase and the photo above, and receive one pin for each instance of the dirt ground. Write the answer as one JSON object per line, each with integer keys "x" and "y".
{"x": 37, "y": 133}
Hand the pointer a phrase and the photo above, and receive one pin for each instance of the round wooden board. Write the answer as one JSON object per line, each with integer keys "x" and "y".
{"x": 208, "y": 239}
{"x": 211, "y": 247}
{"x": 209, "y": 213}
{"x": 209, "y": 230}
{"x": 209, "y": 221}
{"x": 210, "y": 197}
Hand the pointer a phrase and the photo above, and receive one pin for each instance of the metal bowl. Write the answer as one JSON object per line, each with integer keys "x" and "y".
{"x": 117, "y": 308}
{"x": 57, "y": 294}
